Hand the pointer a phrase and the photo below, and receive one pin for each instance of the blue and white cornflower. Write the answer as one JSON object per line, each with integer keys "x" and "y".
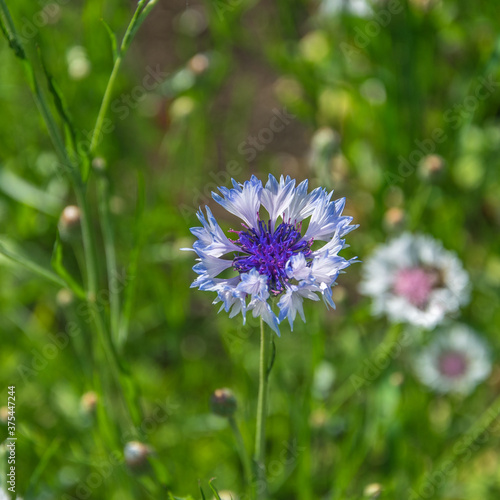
{"x": 272, "y": 256}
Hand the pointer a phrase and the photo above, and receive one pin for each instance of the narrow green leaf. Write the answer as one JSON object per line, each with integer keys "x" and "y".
{"x": 44, "y": 461}
{"x": 7, "y": 27}
{"x": 17, "y": 257}
{"x": 134, "y": 262}
{"x": 112, "y": 37}
{"x": 203, "y": 497}
{"x": 57, "y": 264}
{"x": 59, "y": 101}
{"x": 143, "y": 9}
{"x": 214, "y": 489}
{"x": 22, "y": 191}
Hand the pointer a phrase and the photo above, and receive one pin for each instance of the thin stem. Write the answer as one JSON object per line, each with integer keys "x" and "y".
{"x": 245, "y": 459}
{"x": 260, "y": 435}
{"x": 143, "y": 9}
{"x": 105, "y": 104}
{"x": 110, "y": 253}
{"x": 88, "y": 242}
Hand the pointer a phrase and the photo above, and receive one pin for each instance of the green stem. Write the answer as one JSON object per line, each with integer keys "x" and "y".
{"x": 260, "y": 435}
{"x": 110, "y": 253}
{"x": 105, "y": 104}
{"x": 245, "y": 459}
{"x": 88, "y": 242}
{"x": 143, "y": 9}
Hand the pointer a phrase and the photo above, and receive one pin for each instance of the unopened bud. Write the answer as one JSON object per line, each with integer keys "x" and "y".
{"x": 394, "y": 219}
{"x": 136, "y": 453}
{"x": 223, "y": 403}
{"x": 431, "y": 167}
{"x": 198, "y": 64}
{"x": 373, "y": 490}
{"x": 396, "y": 379}
{"x": 88, "y": 402}
{"x": 181, "y": 108}
{"x": 99, "y": 164}
{"x": 64, "y": 297}
{"x": 69, "y": 223}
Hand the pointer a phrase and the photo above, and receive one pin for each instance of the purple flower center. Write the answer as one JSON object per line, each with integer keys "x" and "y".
{"x": 452, "y": 364}
{"x": 416, "y": 285}
{"x": 268, "y": 251}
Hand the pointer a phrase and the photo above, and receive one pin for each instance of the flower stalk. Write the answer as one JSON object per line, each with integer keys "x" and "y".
{"x": 260, "y": 434}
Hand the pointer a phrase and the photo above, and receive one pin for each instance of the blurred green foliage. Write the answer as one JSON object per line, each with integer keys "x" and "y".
{"x": 198, "y": 86}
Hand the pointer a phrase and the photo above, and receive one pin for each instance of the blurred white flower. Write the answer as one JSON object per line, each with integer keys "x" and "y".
{"x": 456, "y": 361}
{"x": 6, "y": 496}
{"x": 358, "y": 8}
{"x": 78, "y": 63}
{"x": 227, "y": 495}
{"x": 413, "y": 279}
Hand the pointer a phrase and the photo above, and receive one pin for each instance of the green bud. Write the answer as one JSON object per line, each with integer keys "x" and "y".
{"x": 223, "y": 403}
{"x": 70, "y": 223}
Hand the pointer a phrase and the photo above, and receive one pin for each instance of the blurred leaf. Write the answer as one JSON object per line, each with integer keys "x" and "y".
{"x": 44, "y": 461}
{"x": 31, "y": 265}
{"x": 214, "y": 489}
{"x": 112, "y": 37}
{"x": 139, "y": 231}
{"x": 203, "y": 497}
{"x": 59, "y": 102}
{"x": 57, "y": 264}
{"x": 22, "y": 191}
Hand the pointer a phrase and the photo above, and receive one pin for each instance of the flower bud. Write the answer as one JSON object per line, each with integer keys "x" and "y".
{"x": 99, "y": 164}
{"x": 223, "y": 403}
{"x": 396, "y": 379}
{"x": 136, "y": 453}
{"x": 373, "y": 490}
{"x": 181, "y": 108}
{"x": 88, "y": 402}
{"x": 198, "y": 64}
{"x": 69, "y": 223}
{"x": 394, "y": 219}
{"x": 431, "y": 167}
{"x": 64, "y": 298}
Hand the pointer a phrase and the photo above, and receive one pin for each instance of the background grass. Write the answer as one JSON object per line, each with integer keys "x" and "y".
{"x": 389, "y": 84}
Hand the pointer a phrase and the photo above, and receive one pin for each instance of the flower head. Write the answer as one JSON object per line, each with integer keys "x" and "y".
{"x": 456, "y": 361}
{"x": 272, "y": 255}
{"x": 413, "y": 279}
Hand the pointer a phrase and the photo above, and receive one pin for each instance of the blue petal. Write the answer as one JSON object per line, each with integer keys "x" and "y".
{"x": 244, "y": 202}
